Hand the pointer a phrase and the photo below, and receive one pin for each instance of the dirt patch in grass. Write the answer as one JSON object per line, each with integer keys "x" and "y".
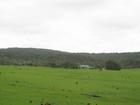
{"x": 92, "y": 95}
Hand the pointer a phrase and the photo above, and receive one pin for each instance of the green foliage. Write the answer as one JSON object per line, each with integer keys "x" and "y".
{"x": 52, "y": 58}
{"x": 112, "y": 65}
{"x": 69, "y": 65}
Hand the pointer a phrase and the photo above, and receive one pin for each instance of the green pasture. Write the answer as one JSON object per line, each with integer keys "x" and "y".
{"x": 22, "y": 85}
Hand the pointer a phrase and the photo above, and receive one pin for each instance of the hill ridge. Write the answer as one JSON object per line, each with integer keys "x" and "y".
{"x": 49, "y": 57}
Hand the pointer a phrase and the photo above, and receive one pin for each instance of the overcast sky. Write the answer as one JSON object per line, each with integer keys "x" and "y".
{"x": 71, "y": 25}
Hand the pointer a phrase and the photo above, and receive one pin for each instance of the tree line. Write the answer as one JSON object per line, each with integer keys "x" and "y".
{"x": 53, "y": 58}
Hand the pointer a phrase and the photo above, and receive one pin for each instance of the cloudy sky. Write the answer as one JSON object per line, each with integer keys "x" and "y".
{"x": 71, "y": 25}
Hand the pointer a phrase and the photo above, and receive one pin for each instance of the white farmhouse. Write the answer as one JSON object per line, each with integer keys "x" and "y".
{"x": 85, "y": 67}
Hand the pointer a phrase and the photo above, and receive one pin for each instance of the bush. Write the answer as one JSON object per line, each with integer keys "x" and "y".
{"x": 69, "y": 65}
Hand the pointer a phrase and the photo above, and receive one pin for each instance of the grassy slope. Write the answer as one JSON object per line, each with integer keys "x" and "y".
{"x": 31, "y": 85}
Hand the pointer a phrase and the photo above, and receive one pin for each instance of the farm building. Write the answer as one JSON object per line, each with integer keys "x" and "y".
{"x": 85, "y": 67}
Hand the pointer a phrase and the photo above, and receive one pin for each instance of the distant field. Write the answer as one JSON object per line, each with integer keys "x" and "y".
{"x": 36, "y": 85}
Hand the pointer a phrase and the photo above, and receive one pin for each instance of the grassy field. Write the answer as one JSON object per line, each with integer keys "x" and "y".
{"x": 36, "y": 85}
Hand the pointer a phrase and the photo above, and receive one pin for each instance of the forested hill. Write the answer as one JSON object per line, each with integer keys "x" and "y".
{"x": 53, "y": 58}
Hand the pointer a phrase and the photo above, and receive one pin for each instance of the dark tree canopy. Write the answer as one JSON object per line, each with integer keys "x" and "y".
{"x": 112, "y": 65}
{"x": 53, "y": 58}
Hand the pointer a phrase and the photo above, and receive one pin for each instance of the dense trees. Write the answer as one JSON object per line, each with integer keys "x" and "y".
{"x": 52, "y": 58}
{"x": 69, "y": 65}
{"x": 112, "y": 65}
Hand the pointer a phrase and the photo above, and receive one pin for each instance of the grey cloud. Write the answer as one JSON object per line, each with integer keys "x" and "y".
{"x": 64, "y": 24}
{"x": 80, "y": 5}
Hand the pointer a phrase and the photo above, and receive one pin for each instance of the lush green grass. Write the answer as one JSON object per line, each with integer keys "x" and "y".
{"x": 31, "y": 85}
